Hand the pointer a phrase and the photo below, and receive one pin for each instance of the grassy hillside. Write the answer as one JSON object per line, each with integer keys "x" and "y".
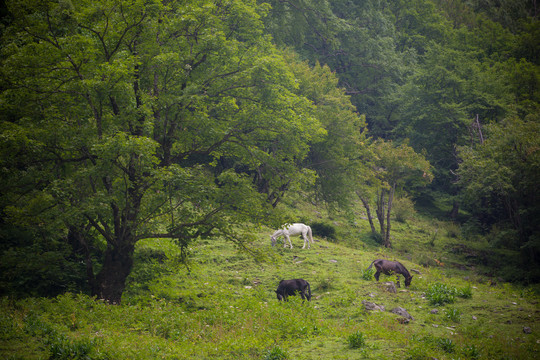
{"x": 223, "y": 306}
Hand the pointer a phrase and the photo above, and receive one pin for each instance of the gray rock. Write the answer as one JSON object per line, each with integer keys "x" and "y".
{"x": 372, "y": 306}
{"x": 402, "y": 312}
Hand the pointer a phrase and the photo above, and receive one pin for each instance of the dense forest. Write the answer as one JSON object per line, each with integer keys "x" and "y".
{"x": 186, "y": 120}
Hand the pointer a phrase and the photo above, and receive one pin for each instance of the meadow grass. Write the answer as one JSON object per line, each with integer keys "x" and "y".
{"x": 223, "y": 306}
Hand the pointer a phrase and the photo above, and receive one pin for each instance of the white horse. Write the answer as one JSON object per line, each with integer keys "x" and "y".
{"x": 293, "y": 230}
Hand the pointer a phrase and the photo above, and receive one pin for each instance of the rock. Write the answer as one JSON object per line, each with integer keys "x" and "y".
{"x": 402, "y": 312}
{"x": 474, "y": 317}
{"x": 402, "y": 320}
{"x": 435, "y": 311}
{"x": 333, "y": 261}
{"x": 416, "y": 271}
{"x": 372, "y": 306}
{"x": 389, "y": 286}
{"x": 527, "y": 330}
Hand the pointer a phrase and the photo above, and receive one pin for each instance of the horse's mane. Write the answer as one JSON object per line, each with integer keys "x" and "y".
{"x": 403, "y": 270}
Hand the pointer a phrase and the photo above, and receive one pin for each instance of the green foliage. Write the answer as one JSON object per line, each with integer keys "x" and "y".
{"x": 446, "y": 344}
{"x": 439, "y": 294}
{"x": 38, "y": 267}
{"x": 62, "y": 348}
{"x": 453, "y": 315}
{"x": 356, "y": 340}
{"x": 471, "y": 352}
{"x": 498, "y": 175}
{"x": 367, "y": 274}
{"x": 275, "y": 353}
{"x": 144, "y": 130}
{"x": 403, "y": 209}
{"x": 324, "y": 230}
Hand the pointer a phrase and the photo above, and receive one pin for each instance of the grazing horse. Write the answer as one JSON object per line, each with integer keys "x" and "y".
{"x": 391, "y": 267}
{"x": 291, "y": 287}
{"x": 293, "y": 230}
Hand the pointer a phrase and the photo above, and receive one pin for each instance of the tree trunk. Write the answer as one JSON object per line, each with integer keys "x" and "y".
{"x": 368, "y": 212}
{"x": 111, "y": 280}
{"x": 380, "y": 212}
{"x": 386, "y": 235}
{"x": 455, "y": 210}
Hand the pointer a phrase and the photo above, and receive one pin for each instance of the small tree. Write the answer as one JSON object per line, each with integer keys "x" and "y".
{"x": 392, "y": 167}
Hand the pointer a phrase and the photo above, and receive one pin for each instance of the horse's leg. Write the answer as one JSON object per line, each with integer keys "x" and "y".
{"x": 305, "y": 240}
{"x": 397, "y": 281}
{"x": 288, "y": 238}
{"x": 377, "y": 274}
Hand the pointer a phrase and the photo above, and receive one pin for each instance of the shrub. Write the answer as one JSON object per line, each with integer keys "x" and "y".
{"x": 453, "y": 230}
{"x": 356, "y": 340}
{"x": 324, "y": 230}
{"x": 403, "y": 209}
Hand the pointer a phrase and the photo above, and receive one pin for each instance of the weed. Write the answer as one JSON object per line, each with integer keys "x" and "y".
{"x": 440, "y": 294}
{"x": 466, "y": 292}
{"x": 63, "y": 348}
{"x": 367, "y": 274}
{"x": 433, "y": 237}
{"x": 453, "y": 315}
{"x": 447, "y": 345}
{"x": 356, "y": 340}
{"x": 275, "y": 353}
{"x": 471, "y": 352}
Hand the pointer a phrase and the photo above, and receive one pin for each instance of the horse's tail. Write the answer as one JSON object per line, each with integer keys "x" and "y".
{"x": 370, "y": 265}
{"x": 309, "y": 291}
{"x": 310, "y": 235}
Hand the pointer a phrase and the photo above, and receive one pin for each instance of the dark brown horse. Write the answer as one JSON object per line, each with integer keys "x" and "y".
{"x": 391, "y": 267}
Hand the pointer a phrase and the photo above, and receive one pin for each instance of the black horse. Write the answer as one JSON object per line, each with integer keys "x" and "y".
{"x": 291, "y": 287}
{"x": 391, "y": 267}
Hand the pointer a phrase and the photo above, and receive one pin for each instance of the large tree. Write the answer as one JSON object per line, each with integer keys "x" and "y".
{"x": 124, "y": 120}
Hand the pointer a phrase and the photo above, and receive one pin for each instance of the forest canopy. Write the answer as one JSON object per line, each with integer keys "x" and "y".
{"x": 127, "y": 120}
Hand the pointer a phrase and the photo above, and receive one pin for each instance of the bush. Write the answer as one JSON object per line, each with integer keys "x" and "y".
{"x": 324, "y": 230}
{"x": 403, "y": 209}
{"x": 356, "y": 340}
